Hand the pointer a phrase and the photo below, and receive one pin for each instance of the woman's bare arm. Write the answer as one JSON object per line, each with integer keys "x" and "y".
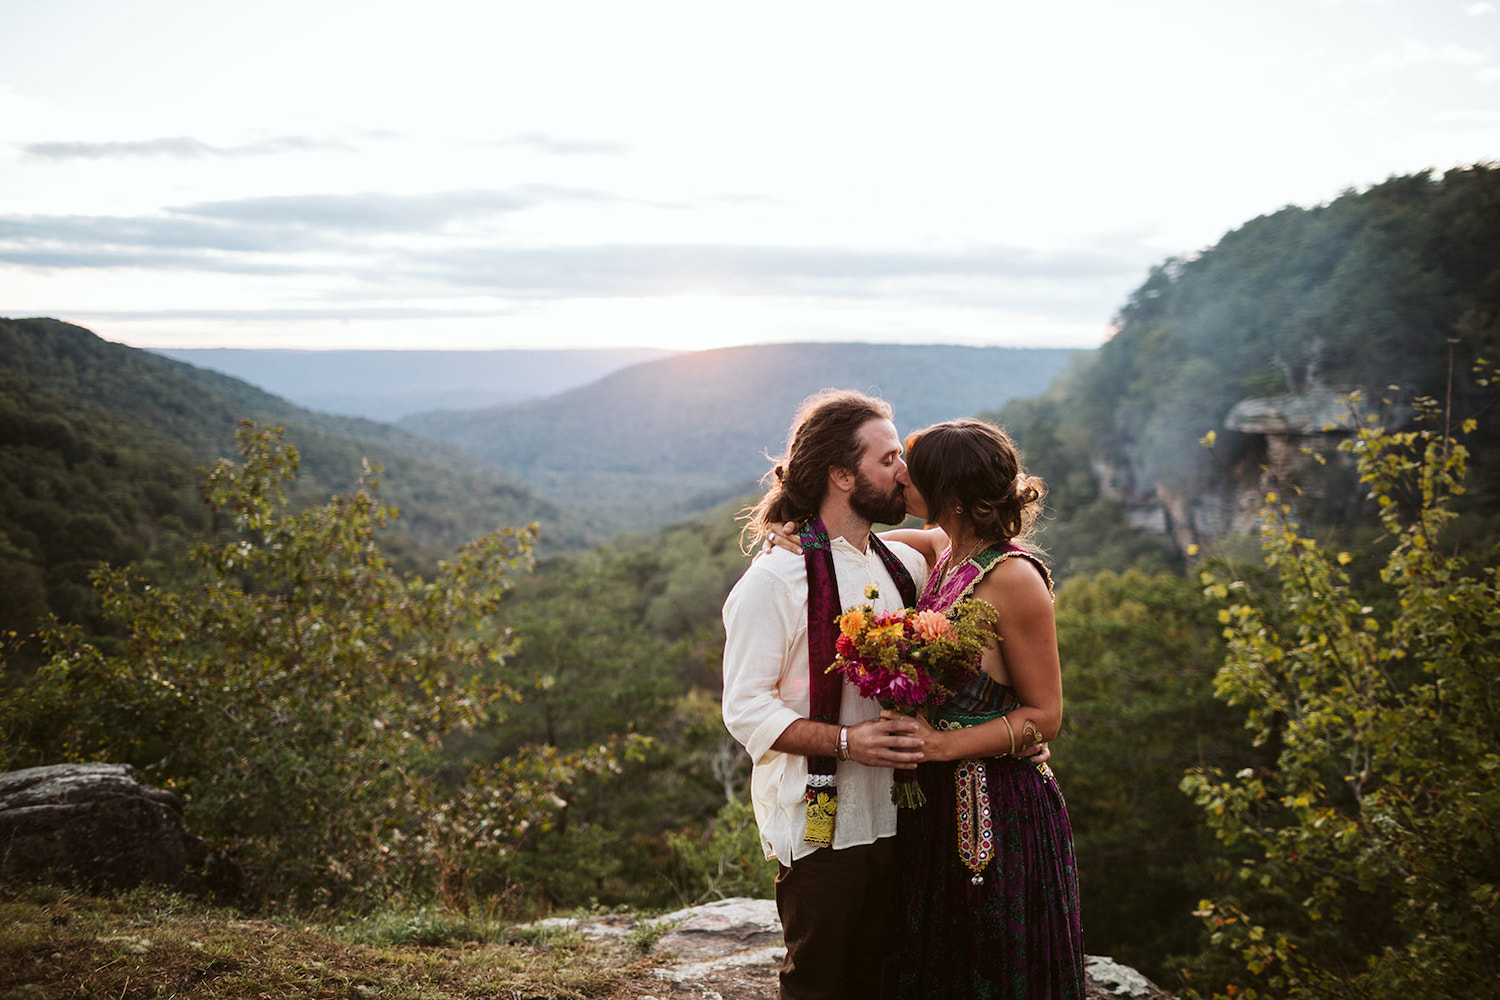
{"x": 929, "y": 541}
{"x": 1025, "y": 659}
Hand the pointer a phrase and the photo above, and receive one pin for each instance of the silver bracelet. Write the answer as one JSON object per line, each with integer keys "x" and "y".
{"x": 844, "y": 743}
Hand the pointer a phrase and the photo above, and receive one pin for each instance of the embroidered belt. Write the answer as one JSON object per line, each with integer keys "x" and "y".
{"x": 976, "y": 822}
{"x": 976, "y": 825}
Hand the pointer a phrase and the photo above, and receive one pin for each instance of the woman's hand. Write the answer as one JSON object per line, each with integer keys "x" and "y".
{"x": 935, "y": 742}
{"x": 783, "y": 536}
{"x": 1039, "y": 754}
{"x": 932, "y": 738}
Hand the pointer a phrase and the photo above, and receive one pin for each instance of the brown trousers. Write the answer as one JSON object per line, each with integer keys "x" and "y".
{"x": 833, "y": 907}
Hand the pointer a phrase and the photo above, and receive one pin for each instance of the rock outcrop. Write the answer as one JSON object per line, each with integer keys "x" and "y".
{"x": 90, "y": 823}
{"x": 1292, "y": 425}
{"x": 1264, "y": 444}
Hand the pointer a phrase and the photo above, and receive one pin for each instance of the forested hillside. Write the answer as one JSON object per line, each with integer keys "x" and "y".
{"x": 669, "y": 439}
{"x": 99, "y": 444}
{"x": 1393, "y": 291}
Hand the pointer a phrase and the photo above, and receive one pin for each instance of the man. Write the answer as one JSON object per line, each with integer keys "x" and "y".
{"x": 823, "y": 758}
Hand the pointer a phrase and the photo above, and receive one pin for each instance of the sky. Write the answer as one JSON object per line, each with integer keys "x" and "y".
{"x": 590, "y": 173}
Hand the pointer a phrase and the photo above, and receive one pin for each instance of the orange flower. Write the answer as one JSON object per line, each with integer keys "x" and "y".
{"x": 852, "y": 623}
{"x": 930, "y": 624}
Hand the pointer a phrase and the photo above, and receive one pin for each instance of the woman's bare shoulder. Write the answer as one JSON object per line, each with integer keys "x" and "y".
{"x": 929, "y": 541}
{"x": 1016, "y": 577}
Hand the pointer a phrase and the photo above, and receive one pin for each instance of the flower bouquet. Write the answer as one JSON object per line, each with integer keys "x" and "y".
{"x": 908, "y": 660}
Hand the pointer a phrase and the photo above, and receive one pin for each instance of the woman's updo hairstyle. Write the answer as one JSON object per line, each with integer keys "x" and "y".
{"x": 971, "y": 465}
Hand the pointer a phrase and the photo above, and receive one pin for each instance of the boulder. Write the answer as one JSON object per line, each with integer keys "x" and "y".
{"x": 723, "y": 928}
{"x": 89, "y": 823}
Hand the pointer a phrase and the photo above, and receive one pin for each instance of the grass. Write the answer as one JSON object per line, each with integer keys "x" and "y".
{"x": 57, "y": 943}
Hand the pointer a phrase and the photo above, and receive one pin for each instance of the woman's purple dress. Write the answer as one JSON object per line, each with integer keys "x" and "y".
{"x": 986, "y": 901}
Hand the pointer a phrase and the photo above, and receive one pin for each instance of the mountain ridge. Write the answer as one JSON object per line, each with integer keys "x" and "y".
{"x": 99, "y": 443}
{"x": 387, "y": 385}
{"x": 667, "y": 439}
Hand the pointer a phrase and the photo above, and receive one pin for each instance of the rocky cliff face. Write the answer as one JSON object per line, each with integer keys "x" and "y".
{"x": 1267, "y": 443}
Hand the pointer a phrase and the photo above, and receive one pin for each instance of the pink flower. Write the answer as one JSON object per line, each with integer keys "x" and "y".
{"x": 930, "y": 625}
{"x": 845, "y": 647}
{"x": 906, "y": 691}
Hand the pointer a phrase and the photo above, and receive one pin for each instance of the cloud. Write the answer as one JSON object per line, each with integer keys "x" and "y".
{"x": 365, "y": 213}
{"x": 388, "y": 213}
{"x": 433, "y": 256}
{"x": 749, "y": 200}
{"x": 1406, "y": 56}
{"x": 1467, "y": 117}
{"x": 329, "y": 312}
{"x": 541, "y": 142}
{"x": 105, "y": 257}
{"x": 180, "y": 147}
{"x": 648, "y": 269}
{"x": 104, "y": 234}
{"x": 281, "y": 224}
{"x": 1479, "y": 9}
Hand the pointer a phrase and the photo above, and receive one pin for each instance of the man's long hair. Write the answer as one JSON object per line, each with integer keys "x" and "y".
{"x": 824, "y": 436}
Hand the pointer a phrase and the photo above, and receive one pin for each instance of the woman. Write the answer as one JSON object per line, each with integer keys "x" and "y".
{"x": 986, "y": 899}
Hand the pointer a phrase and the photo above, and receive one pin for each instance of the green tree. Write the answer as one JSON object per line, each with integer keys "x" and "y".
{"x": 1369, "y": 863}
{"x": 625, "y": 639}
{"x": 1139, "y": 655}
{"x": 298, "y": 694}
{"x": 726, "y": 859}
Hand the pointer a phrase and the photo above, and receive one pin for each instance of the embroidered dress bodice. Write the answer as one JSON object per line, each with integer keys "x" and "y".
{"x": 983, "y": 698}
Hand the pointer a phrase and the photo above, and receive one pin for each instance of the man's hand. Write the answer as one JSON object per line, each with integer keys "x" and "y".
{"x": 886, "y": 743}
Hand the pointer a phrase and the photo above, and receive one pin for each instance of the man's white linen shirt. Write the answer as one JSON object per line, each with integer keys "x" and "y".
{"x": 766, "y": 690}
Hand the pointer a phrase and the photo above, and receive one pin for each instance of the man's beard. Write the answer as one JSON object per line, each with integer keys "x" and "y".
{"x": 875, "y": 506}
